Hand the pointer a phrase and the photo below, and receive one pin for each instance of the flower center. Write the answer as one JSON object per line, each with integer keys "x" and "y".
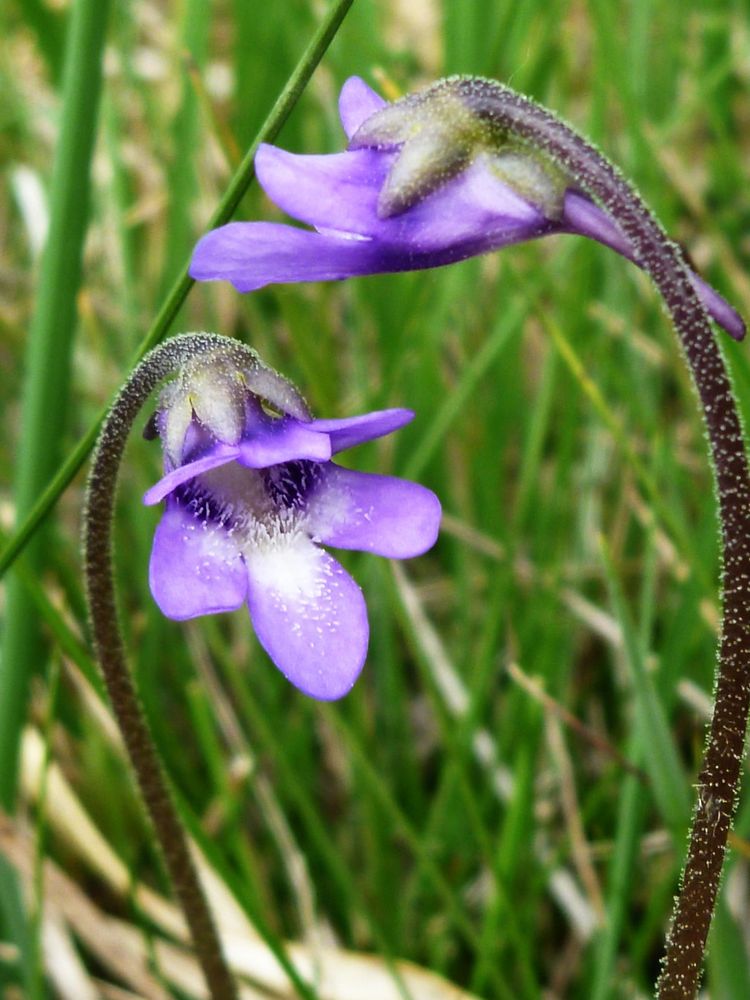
{"x": 290, "y": 483}
{"x": 262, "y": 509}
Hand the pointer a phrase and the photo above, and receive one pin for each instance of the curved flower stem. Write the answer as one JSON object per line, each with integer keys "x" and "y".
{"x": 97, "y": 541}
{"x": 718, "y": 781}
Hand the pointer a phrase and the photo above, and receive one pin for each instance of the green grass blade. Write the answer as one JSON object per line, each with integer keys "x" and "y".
{"x": 620, "y": 878}
{"x": 183, "y": 180}
{"x": 48, "y": 353}
{"x": 728, "y": 969}
{"x": 660, "y": 757}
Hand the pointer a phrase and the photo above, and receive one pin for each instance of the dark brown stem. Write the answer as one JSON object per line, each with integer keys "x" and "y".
{"x": 97, "y": 541}
{"x": 718, "y": 782}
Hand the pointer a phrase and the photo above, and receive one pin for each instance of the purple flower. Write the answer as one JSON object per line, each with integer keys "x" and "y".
{"x": 408, "y": 193}
{"x": 251, "y": 497}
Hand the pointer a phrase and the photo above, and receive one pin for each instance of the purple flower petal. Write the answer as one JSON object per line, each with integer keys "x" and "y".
{"x": 309, "y": 616}
{"x": 254, "y": 254}
{"x": 473, "y": 213}
{"x": 340, "y": 192}
{"x": 350, "y": 431}
{"x": 221, "y": 455}
{"x": 357, "y": 510}
{"x": 357, "y": 102}
{"x": 470, "y": 215}
{"x": 196, "y": 568}
{"x": 718, "y": 307}
{"x": 283, "y": 440}
{"x": 583, "y": 216}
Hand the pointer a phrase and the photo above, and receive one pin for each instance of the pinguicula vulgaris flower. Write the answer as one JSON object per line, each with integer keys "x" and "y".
{"x": 426, "y": 181}
{"x": 251, "y": 496}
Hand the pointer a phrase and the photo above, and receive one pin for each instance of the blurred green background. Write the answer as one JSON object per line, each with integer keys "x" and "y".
{"x": 503, "y": 799}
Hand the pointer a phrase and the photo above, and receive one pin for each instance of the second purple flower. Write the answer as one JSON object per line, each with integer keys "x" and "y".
{"x": 425, "y": 182}
{"x": 251, "y": 496}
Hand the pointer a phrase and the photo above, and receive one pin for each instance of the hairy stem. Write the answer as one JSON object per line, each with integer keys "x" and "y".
{"x": 100, "y": 590}
{"x": 718, "y": 782}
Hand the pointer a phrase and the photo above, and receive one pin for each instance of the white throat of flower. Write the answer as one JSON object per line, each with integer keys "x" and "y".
{"x": 239, "y": 498}
{"x": 266, "y": 515}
